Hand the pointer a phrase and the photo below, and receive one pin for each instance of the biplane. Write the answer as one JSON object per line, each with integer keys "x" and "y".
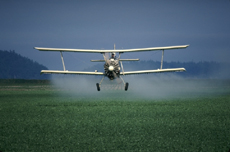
{"x": 113, "y": 67}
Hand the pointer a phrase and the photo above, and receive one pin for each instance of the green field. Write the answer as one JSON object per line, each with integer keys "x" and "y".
{"x": 37, "y": 116}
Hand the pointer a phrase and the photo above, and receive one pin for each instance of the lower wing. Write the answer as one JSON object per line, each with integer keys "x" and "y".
{"x": 71, "y": 72}
{"x": 122, "y": 73}
{"x": 153, "y": 71}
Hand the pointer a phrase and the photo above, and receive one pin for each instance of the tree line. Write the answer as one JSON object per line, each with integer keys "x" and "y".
{"x": 15, "y": 66}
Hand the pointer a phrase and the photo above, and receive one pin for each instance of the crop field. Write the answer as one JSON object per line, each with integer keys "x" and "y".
{"x": 38, "y": 116}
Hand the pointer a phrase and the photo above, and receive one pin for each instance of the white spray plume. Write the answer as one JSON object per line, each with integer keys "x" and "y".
{"x": 141, "y": 87}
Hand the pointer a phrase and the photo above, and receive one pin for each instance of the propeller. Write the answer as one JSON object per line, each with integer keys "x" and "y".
{"x": 118, "y": 80}
{"x": 106, "y": 57}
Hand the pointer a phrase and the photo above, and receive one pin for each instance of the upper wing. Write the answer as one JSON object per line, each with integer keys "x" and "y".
{"x": 108, "y": 51}
{"x": 153, "y": 71}
{"x": 71, "y": 72}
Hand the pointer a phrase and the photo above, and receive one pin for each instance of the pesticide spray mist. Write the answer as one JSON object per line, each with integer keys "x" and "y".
{"x": 141, "y": 87}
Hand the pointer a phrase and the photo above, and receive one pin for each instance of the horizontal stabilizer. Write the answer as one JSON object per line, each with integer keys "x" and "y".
{"x": 129, "y": 60}
{"x": 71, "y": 72}
{"x": 97, "y": 60}
{"x": 119, "y": 60}
{"x": 153, "y": 71}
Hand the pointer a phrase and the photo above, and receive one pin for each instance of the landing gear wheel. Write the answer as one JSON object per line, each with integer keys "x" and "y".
{"x": 126, "y": 86}
{"x": 98, "y": 87}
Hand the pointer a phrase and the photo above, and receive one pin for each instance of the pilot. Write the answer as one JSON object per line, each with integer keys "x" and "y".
{"x": 113, "y": 56}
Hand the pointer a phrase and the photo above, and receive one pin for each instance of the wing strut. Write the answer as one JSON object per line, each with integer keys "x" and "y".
{"x": 62, "y": 61}
{"x": 162, "y": 58}
{"x": 122, "y": 67}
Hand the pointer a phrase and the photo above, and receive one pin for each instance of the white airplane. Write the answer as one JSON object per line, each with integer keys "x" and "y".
{"x": 111, "y": 67}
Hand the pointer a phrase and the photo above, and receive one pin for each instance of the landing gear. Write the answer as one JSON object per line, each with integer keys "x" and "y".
{"x": 98, "y": 86}
{"x": 126, "y": 86}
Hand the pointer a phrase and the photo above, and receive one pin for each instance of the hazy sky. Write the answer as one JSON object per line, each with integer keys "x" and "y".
{"x": 204, "y": 24}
